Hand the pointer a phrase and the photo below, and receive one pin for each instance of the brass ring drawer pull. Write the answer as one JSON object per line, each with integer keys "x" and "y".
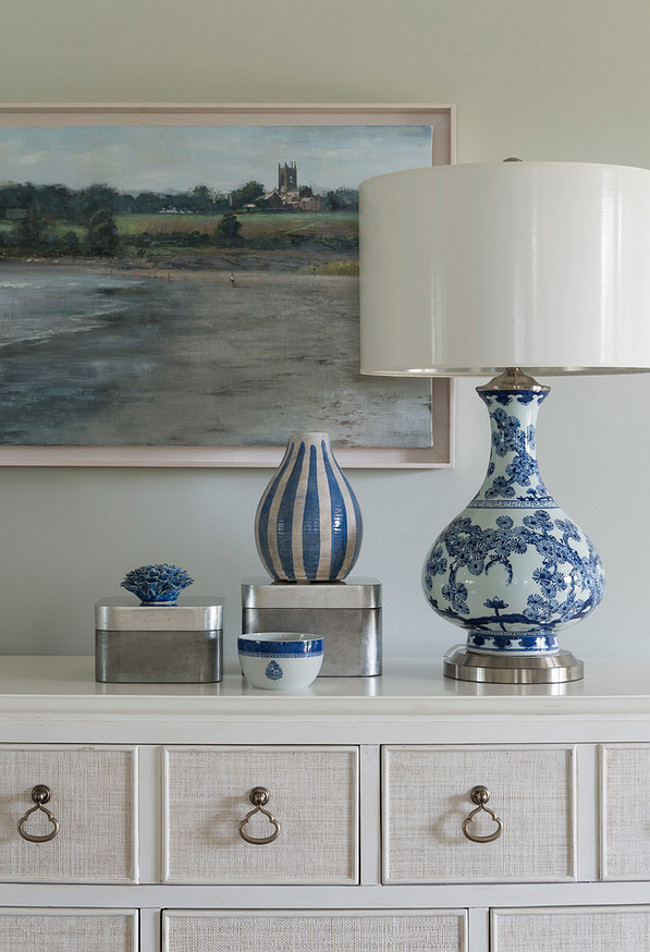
{"x": 481, "y": 795}
{"x": 259, "y": 797}
{"x": 40, "y": 795}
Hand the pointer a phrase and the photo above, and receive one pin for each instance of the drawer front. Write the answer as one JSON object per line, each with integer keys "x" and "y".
{"x": 92, "y": 800}
{"x": 605, "y": 929}
{"x": 426, "y": 799}
{"x": 68, "y": 930}
{"x": 312, "y": 797}
{"x": 442, "y": 931}
{"x": 624, "y": 811}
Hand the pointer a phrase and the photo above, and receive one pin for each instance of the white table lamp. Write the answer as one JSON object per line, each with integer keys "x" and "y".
{"x": 513, "y": 269}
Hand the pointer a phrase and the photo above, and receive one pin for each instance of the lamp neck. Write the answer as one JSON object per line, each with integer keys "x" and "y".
{"x": 513, "y": 479}
{"x": 513, "y": 378}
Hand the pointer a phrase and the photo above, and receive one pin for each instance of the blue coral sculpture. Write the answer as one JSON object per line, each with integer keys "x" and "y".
{"x": 157, "y": 584}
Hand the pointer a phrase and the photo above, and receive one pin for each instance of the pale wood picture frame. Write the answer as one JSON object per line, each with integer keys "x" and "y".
{"x": 441, "y": 119}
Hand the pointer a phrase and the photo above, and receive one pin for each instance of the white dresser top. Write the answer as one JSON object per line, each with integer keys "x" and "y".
{"x": 408, "y": 688}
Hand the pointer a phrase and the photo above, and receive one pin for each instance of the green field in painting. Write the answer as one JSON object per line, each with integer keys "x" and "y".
{"x": 253, "y": 224}
{"x": 325, "y": 241}
{"x": 319, "y": 242}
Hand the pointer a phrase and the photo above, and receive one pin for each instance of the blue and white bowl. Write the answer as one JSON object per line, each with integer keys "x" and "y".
{"x": 280, "y": 660}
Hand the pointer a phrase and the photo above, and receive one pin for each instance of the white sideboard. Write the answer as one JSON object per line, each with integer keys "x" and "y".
{"x": 363, "y": 838}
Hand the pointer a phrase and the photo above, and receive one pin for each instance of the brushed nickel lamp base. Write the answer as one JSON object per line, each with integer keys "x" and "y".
{"x": 463, "y": 665}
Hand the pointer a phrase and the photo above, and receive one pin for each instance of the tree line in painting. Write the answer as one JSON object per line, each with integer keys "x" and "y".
{"x": 54, "y": 221}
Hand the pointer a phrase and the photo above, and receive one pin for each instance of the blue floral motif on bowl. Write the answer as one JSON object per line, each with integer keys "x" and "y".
{"x": 273, "y": 671}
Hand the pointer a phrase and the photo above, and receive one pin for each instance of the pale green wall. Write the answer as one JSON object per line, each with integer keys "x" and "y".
{"x": 541, "y": 79}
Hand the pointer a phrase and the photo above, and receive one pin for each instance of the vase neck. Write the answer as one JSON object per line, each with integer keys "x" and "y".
{"x": 513, "y": 477}
{"x": 309, "y": 437}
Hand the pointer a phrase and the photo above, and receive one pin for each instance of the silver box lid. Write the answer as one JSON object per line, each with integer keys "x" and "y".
{"x": 189, "y": 614}
{"x": 352, "y": 592}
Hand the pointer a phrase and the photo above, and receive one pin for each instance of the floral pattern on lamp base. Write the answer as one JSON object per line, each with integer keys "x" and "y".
{"x": 512, "y": 569}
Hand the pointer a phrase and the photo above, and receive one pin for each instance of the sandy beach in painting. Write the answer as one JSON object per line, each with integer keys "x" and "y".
{"x": 182, "y": 357}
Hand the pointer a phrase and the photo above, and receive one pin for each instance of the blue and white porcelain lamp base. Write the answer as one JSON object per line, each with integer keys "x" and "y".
{"x": 512, "y": 569}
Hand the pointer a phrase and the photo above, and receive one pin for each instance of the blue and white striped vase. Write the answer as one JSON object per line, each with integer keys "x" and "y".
{"x": 308, "y": 524}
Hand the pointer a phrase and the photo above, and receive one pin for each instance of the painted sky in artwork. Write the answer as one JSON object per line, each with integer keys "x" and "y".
{"x": 177, "y": 158}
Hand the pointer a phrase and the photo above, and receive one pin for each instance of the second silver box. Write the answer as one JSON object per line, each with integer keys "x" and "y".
{"x": 347, "y": 614}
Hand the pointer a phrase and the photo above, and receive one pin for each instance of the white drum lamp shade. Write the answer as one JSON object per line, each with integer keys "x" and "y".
{"x": 513, "y": 269}
{"x": 467, "y": 269}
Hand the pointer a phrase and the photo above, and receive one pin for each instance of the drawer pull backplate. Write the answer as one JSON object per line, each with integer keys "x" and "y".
{"x": 259, "y": 797}
{"x": 481, "y": 795}
{"x": 40, "y": 795}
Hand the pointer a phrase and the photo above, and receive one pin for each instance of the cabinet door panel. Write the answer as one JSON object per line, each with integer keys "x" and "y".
{"x": 313, "y": 797}
{"x": 624, "y": 811}
{"x": 68, "y": 930}
{"x": 603, "y": 929}
{"x": 442, "y": 931}
{"x": 426, "y": 798}
{"x": 93, "y": 801}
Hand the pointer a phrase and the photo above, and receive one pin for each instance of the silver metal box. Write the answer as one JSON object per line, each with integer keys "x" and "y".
{"x": 346, "y": 613}
{"x": 179, "y": 643}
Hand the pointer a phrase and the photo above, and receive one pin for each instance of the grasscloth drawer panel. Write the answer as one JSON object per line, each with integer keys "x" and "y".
{"x": 624, "y": 811}
{"x": 426, "y": 796}
{"x": 92, "y": 798}
{"x": 586, "y": 929}
{"x": 440, "y": 931}
{"x": 68, "y": 930}
{"x": 313, "y": 796}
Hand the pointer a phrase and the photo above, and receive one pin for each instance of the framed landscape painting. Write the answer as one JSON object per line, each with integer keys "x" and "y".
{"x": 179, "y": 284}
